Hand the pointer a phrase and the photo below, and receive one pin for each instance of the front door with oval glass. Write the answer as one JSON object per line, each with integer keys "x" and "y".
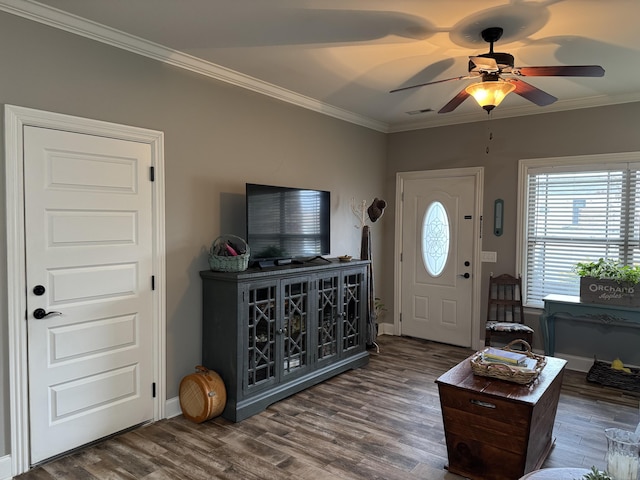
{"x": 437, "y": 250}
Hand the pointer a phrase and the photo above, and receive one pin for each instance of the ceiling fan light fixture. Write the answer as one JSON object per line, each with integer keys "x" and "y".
{"x": 489, "y": 94}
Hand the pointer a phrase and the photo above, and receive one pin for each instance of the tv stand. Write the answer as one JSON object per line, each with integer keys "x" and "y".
{"x": 274, "y": 332}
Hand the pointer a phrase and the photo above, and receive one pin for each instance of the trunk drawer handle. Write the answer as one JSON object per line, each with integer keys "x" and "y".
{"x": 480, "y": 403}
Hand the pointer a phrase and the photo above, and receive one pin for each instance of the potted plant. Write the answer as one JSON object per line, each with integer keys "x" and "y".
{"x": 379, "y": 308}
{"x": 609, "y": 282}
{"x": 596, "y": 474}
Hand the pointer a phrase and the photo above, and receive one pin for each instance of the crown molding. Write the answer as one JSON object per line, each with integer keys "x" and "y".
{"x": 52, "y": 17}
{"x": 511, "y": 112}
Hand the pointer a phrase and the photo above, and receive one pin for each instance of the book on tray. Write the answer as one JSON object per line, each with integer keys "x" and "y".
{"x": 504, "y": 356}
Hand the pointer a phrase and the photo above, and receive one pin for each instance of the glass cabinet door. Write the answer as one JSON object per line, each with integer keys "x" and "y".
{"x": 295, "y": 329}
{"x": 261, "y": 346}
{"x": 328, "y": 304}
{"x": 352, "y": 311}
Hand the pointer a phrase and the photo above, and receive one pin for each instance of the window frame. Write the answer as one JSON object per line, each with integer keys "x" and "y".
{"x": 525, "y": 166}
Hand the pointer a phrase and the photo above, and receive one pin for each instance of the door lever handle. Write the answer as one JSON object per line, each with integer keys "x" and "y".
{"x": 40, "y": 313}
{"x": 464, "y": 275}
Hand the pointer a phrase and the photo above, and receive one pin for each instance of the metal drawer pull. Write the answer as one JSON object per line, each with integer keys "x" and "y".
{"x": 480, "y": 403}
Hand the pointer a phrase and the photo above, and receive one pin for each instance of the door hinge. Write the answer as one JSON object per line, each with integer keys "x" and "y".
{"x": 152, "y": 174}
{"x": 153, "y": 389}
{"x": 153, "y": 282}
{"x": 400, "y": 317}
{"x": 400, "y": 256}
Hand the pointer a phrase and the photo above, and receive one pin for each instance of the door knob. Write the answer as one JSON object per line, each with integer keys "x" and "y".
{"x": 40, "y": 313}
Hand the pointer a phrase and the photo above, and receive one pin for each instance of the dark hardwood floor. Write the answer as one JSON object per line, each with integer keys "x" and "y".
{"x": 378, "y": 422}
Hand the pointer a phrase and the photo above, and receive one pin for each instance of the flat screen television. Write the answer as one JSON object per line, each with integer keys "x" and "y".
{"x": 287, "y": 223}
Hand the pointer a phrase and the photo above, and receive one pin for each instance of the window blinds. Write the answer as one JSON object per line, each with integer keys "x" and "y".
{"x": 577, "y": 214}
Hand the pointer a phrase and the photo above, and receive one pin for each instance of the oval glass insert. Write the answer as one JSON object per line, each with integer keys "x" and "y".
{"x": 435, "y": 239}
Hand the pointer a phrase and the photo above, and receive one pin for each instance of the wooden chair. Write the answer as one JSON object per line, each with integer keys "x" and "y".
{"x": 505, "y": 314}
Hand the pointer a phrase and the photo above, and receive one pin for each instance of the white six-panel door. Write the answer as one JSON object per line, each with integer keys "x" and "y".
{"x": 89, "y": 244}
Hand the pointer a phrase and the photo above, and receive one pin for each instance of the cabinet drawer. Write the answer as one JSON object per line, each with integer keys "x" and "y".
{"x": 496, "y": 413}
{"x": 475, "y": 427}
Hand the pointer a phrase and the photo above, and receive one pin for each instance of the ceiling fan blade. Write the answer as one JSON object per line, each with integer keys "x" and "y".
{"x": 561, "y": 71}
{"x": 483, "y": 64}
{"x": 428, "y": 83}
{"x": 455, "y": 102}
{"x": 533, "y": 94}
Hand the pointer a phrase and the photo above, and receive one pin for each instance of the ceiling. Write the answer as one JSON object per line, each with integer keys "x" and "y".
{"x": 342, "y": 57}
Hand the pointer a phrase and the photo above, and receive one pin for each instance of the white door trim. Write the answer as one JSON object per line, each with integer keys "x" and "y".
{"x": 15, "y": 119}
{"x": 401, "y": 177}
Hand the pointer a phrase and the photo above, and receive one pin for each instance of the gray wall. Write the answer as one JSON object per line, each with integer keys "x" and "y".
{"x": 580, "y": 132}
{"x": 217, "y": 137}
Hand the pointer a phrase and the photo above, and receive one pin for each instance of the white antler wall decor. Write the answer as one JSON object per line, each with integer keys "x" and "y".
{"x": 373, "y": 212}
{"x": 360, "y": 211}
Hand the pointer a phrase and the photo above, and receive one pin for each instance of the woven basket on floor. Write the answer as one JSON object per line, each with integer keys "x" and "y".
{"x": 506, "y": 372}
{"x": 202, "y": 395}
{"x": 602, "y": 373}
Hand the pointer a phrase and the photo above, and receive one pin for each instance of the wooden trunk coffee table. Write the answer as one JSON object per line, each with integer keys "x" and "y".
{"x": 498, "y": 430}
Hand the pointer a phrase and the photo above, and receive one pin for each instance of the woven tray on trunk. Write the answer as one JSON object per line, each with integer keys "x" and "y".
{"x": 506, "y": 372}
{"x": 602, "y": 373}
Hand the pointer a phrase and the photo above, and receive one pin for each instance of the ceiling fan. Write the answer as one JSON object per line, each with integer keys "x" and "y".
{"x": 492, "y": 66}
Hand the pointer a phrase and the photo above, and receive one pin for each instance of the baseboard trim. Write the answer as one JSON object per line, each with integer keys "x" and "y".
{"x": 582, "y": 364}
{"x": 385, "y": 329}
{"x": 172, "y": 407}
{"x": 5, "y": 468}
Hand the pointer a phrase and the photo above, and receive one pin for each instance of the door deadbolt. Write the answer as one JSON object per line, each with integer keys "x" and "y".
{"x": 39, "y": 290}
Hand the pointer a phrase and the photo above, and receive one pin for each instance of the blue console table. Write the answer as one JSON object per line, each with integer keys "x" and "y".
{"x": 565, "y": 307}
